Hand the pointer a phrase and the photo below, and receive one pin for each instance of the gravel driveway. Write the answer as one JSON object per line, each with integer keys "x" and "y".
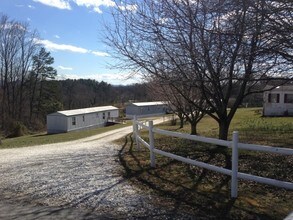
{"x": 73, "y": 180}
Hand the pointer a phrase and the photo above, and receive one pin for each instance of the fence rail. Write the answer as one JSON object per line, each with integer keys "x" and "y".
{"x": 234, "y": 144}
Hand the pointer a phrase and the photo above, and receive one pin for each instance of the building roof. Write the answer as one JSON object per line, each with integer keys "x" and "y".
{"x": 149, "y": 103}
{"x": 85, "y": 110}
{"x": 280, "y": 88}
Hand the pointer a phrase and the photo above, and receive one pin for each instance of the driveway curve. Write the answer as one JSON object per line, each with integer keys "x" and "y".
{"x": 72, "y": 180}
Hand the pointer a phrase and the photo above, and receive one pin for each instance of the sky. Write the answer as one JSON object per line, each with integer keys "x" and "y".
{"x": 72, "y": 31}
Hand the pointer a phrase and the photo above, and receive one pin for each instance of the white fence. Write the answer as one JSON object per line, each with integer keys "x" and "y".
{"x": 234, "y": 144}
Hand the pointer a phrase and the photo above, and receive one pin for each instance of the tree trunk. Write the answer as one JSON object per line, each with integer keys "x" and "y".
{"x": 20, "y": 107}
{"x": 40, "y": 98}
{"x": 223, "y": 134}
{"x": 223, "y": 129}
{"x": 3, "y": 111}
{"x": 181, "y": 121}
{"x": 32, "y": 94}
{"x": 193, "y": 128}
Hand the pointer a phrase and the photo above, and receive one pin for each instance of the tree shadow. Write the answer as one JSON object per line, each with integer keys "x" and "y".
{"x": 181, "y": 197}
{"x": 192, "y": 199}
{"x": 25, "y": 210}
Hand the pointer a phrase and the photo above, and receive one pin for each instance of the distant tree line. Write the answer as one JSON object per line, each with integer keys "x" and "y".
{"x": 29, "y": 89}
{"x": 84, "y": 93}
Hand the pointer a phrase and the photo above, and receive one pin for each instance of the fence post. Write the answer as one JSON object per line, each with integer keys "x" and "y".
{"x": 133, "y": 127}
{"x": 234, "y": 180}
{"x": 152, "y": 144}
{"x": 136, "y": 132}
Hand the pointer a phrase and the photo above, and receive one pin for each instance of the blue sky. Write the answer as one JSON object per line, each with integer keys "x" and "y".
{"x": 72, "y": 31}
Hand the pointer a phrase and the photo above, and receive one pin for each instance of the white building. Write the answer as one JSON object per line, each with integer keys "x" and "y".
{"x": 80, "y": 119}
{"x": 146, "y": 109}
{"x": 278, "y": 101}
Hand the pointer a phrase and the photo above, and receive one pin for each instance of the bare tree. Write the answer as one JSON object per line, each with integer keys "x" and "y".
{"x": 11, "y": 65}
{"x": 28, "y": 48}
{"x": 181, "y": 105}
{"x": 17, "y": 47}
{"x": 278, "y": 15}
{"x": 163, "y": 92}
{"x": 7, "y": 53}
{"x": 213, "y": 46}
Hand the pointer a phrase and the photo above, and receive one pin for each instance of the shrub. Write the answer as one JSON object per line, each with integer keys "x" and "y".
{"x": 17, "y": 129}
{"x": 37, "y": 125}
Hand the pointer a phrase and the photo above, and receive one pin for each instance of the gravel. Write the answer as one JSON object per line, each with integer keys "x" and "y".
{"x": 73, "y": 180}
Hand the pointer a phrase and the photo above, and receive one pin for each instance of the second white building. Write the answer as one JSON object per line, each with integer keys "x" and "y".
{"x": 146, "y": 109}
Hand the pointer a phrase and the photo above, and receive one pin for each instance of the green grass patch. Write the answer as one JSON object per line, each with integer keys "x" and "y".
{"x": 44, "y": 138}
{"x": 252, "y": 128}
{"x": 206, "y": 194}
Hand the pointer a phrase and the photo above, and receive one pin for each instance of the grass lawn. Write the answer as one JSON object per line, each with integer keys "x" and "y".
{"x": 44, "y": 138}
{"x": 252, "y": 127}
{"x": 206, "y": 193}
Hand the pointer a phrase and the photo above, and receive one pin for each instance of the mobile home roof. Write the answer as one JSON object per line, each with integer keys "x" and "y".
{"x": 85, "y": 110}
{"x": 281, "y": 88}
{"x": 148, "y": 103}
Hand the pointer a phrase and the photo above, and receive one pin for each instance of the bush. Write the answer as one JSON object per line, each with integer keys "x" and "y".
{"x": 37, "y": 125}
{"x": 17, "y": 129}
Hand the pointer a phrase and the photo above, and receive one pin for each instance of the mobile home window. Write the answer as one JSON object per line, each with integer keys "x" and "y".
{"x": 109, "y": 114}
{"x": 274, "y": 98}
{"x": 73, "y": 121}
{"x": 83, "y": 118}
{"x": 104, "y": 115}
{"x": 288, "y": 98}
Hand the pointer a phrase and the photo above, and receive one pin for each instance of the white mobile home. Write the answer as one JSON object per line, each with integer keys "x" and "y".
{"x": 278, "y": 101}
{"x": 146, "y": 109}
{"x": 80, "y": 119}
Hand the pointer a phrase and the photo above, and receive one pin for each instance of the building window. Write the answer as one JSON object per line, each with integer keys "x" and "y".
{"x": 288, "y": 98}
{"x": 104, "y": 115}
{"x": 274, "y": 98}
{"x": 73, "y": 121}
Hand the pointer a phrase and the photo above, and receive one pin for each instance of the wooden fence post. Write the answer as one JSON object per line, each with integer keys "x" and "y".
{"x": 152, "y": 144}
{"x": 234, "y": 177}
